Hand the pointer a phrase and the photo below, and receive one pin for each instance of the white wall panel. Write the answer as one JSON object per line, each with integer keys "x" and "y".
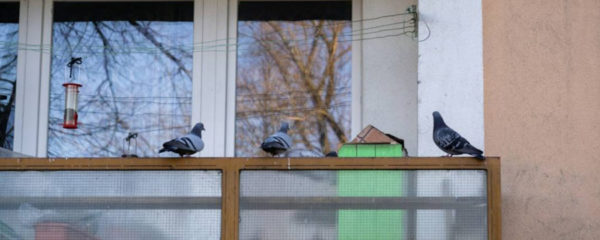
{"x": 450, "y": 70}
{"x": 209, "y": 98}
{"x": 389, "y": 74}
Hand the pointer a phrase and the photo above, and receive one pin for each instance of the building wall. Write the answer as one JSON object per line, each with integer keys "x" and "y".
{"x": 450, "y": 70}
{"x": 542, "y": 115}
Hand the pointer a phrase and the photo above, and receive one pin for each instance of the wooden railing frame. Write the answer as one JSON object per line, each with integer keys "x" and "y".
{"x": 231, "y": 167}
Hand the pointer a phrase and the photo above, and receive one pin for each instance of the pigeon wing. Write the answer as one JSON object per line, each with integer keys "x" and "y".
{"x": 277, "y": 143}
{"x": 303, "y": 153}
{"x": 451, "y": 142}
{"x": 192, "y": 141}
{"x": 186, "y": 145}
{"x": 463, "y": 146}
{"x": 178, "y": 147}
{"x": 445, "y": 137}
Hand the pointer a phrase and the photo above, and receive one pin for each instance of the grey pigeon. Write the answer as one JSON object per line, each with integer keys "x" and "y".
{"x": 331, "y": 154}
{"x": 450, "y": 141}
{"x": 302, "y": 153}
{"x": 187, "y": 144}
{"x": 279, "y": 142}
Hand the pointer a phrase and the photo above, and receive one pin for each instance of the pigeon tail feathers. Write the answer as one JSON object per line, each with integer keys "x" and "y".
{"x": 273, "y": 147}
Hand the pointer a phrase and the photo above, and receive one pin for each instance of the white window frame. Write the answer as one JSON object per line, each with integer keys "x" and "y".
{"x": 33, "y": 75}
{"x": 33, "y": 68}
{"x": 213, "y": 76}
{"x": 229, "y": 117}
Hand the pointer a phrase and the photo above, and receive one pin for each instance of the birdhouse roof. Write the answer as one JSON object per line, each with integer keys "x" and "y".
{"x": 371, "y": 134}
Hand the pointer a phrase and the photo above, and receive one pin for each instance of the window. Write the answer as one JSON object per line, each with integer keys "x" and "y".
{"x": 9, "y": 28}
{"x": 363, "y": 204}
{"x": 122, "y": 205}
{"x": 293, "y": 65}
{"x": 136, "y": 76}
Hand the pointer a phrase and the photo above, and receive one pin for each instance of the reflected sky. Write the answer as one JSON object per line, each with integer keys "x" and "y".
{"x": 136, "y": 77}
{"x": 294, "y": 71}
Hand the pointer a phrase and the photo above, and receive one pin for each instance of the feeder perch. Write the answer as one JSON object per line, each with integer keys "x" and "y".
{"x": 130, "y": 136}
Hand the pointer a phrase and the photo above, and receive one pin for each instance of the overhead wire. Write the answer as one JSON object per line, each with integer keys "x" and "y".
{"x": 205, "y": 47}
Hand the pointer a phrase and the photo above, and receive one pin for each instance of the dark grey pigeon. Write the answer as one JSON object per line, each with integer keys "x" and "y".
{"x": 188, "y": 144}
{"x": 331, "y": 154}
{"x": 302, "y": 153}
{"x": 279, "y": 142}
{"x": 450, "y": 141}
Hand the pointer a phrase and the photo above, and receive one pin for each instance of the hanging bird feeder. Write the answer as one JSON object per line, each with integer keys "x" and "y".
{"x": 71, "y": 94}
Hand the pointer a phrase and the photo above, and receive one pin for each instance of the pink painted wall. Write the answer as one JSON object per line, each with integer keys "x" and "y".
{"x": 542, "y": 114}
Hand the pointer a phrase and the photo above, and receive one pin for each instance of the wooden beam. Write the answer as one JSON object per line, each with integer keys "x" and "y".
{"x": 367, "y": 203}
{"x": 13, "y": 203}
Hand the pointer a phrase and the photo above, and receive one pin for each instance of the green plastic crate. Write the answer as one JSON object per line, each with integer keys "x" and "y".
{"x": 370, "y": 224}
{"x": 370, "y": 150}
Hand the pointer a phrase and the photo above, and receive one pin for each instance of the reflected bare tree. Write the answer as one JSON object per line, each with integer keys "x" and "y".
{"x": 136, "y": 77}
{"x": 8, "y": 79}
{"x": 293, "y": 71}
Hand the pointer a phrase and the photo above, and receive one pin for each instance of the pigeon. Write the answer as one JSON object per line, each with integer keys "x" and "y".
{"x": 450, "y": 141}
{"x": 188, "y": 144}
{"x": 302, "y": 153}
{"x": 279, "y": 142}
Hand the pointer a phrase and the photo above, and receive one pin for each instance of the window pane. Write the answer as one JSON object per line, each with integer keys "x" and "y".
{"x": 9, "y": 31}
{"x": 363, "y": 204}
{"x": 295, "y": 67}
{"x": 110, "y": 205}
{"x": 135, "y": 76}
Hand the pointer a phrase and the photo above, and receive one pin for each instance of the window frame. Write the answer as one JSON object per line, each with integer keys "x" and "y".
{"x": 213, "y": 75}
{"x": 356, "y": 75}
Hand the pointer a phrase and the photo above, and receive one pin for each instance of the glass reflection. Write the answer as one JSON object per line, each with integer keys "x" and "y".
{"x": 9, "y": 31}
{"x": 136, "y": 76}
{"x": 364, "y": 204}
{"x": 110, "y": 205}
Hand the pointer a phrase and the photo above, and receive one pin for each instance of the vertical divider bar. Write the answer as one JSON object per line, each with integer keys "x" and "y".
{"x": 411, "y": 213}
{"x": 230, "y": 200}
{"x": 495, "y": 199}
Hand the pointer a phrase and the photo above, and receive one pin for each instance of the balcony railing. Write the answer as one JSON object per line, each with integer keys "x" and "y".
{"x": 239, "y": 192}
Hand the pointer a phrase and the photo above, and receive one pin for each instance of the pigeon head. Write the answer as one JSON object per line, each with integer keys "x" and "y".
{"x": 284, "y": 127}
{"x": 438, "y": 121}
{"x": 198, "y": 128}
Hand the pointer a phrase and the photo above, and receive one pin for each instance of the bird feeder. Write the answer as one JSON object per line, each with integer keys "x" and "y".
{"x": 128, "y": 153}
{"x": 71, "y": 94}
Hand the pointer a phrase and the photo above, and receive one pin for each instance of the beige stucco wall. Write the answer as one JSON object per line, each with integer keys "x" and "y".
{"x": 542, "y": 114}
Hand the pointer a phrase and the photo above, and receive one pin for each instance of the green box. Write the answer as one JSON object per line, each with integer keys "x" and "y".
{"x": 370, "y": 224}
{"x": 370, "y": 150}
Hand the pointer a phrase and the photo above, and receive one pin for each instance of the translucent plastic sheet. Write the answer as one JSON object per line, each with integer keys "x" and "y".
{"x": 128, "y": 205}
{"x": 369, "y": 204}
